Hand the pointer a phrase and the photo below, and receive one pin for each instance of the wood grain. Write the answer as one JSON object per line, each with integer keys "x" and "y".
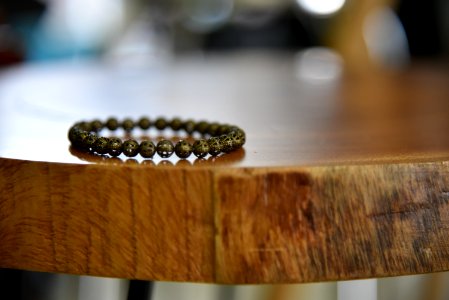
{"x": 341, "y": 180}
{"x": 332, "y": 223}
{"x": 94, "y": 219}
{"x": 226, "y": 226}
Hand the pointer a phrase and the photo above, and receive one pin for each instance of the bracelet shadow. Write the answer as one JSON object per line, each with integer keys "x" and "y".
{"x": 223, "y": 159}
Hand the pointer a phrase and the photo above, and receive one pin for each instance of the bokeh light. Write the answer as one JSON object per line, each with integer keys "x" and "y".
{"x": 321, "y": 7}
{"x": 318, "y": 65}
{"x": 206, "y": 15}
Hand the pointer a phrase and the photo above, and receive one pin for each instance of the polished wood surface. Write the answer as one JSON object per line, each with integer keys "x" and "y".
{"x": 340, "y": 178}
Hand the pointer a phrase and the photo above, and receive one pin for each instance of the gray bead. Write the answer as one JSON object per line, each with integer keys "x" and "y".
{"x": 112, "y": 124}
{"x": 96, "y": 125}
{"x": 101, "y": 145}
{"x": 189, "y": 126}
{"x": 130, "y": 148}
{"x": 165, "y": 148}
{"x": 238, "y": 138}
{"x": 160, "y": 123}
{"x": 214, "y": 146}
{"x": 81, "y": 135}
{"x": 224, "y": 129}
{"x": 200, "y": 148}
{"x": 128, "y": 125}
{"x": 147, "y": 149}
{"x": 201, "y": 127}
{"x": 176, "y": 124}
{"x": 115, "y": 146}
{"x": 144, "y": 123}
{"x": 183, "y": 149}
{"x": 227, "y": 144}
{"x": 213, "y": 129}
{"x": 73, "y": 134}
{"x": 89, "y": 141}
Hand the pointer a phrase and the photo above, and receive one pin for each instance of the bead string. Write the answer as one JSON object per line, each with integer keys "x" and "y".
{"x": 222, "y": 138}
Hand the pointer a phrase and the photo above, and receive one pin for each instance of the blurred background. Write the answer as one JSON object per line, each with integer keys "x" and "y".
{"x": 328, "y": 37}
{"x": 45, "y": 286}
{"x": 365, "y": 33}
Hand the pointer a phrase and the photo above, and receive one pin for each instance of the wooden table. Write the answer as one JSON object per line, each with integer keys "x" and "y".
{"x": 340, "y": 178}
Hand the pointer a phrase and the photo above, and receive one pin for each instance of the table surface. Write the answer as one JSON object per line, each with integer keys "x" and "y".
{"x": 342, "y": 176}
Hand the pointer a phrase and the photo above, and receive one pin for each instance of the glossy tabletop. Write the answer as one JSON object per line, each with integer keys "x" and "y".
{"x": 290, "y": 120}
{"x": 342, "y": 176}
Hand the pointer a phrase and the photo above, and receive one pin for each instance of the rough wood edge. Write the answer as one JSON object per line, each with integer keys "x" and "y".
{"x": 251, "y": 225}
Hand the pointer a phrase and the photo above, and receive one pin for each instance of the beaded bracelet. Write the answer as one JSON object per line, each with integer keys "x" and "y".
{"x": 222, "y": 138}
